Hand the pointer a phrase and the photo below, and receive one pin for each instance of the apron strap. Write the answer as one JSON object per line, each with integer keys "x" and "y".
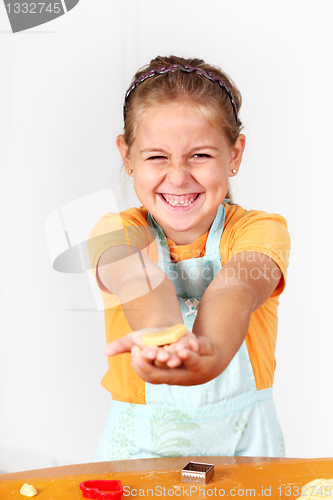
{"x": 163, "y": 247}
{"x": 215, "y": 234}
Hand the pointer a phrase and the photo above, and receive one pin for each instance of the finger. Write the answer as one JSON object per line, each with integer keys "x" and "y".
{"x": 163, "y": 356}
{"x": 194, "y": 345}
{"x": 159, "y": 364}
{"x": 182, "y": 343}
{"x": 149, "y": 372}
{"x": 191, "y": 360}
{"x": 136, "y": 351}
{"x": 203, "y": 346}
{"x": 165, "y": 359}
{"x": 119, "y": 346}
{"x": 201, "y": 359}
{"x": 149, "y": 352}
{"x": 174, "y": 362}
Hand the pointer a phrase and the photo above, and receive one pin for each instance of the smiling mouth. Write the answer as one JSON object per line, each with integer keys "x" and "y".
{"x": 179, "y": 200}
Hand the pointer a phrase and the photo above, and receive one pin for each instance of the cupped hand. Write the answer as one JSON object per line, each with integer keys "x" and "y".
{"x": 160, "y": 356}
{"x": 201, "y": 361}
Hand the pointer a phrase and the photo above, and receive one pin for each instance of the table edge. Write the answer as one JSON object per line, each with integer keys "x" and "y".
{"x": 136, "y": 465}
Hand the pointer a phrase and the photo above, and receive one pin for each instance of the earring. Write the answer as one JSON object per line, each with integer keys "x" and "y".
{"x": 130, "y": 171}
{"x": 234, "y": 171}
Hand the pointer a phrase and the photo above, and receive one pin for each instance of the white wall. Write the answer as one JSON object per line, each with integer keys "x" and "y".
{"x": 61, "y": 93}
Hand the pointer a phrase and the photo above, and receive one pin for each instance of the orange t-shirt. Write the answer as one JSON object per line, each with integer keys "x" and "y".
{"x": 243, "y": 231}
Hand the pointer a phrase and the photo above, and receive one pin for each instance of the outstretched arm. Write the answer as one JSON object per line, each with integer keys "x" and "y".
{"x": 147, "y": 295}
{"x": 148, "y": 299}
{"x": 242, "y": 285}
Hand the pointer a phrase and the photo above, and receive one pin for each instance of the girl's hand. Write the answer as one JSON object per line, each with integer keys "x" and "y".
{"x": 201, "y": 362}
{"x": 160, "y": 356}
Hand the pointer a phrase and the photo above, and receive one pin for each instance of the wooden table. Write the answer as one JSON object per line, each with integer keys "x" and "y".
{"x": 276, "y": 478}
{"x": 132, "y": 465}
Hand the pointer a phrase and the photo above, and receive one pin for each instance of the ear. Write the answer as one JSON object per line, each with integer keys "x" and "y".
{"x": 237, "y": 155}
{"x": 124, "y": 151}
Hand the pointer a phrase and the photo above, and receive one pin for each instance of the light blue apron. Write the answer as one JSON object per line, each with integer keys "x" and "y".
{"x": 226, "y": 416}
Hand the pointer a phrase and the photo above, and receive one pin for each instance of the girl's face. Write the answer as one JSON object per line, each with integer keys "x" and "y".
{"x": 181, "y": 164}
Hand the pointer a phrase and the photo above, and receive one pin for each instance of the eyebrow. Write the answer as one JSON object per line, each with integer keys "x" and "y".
{"x": 196, "y": 148}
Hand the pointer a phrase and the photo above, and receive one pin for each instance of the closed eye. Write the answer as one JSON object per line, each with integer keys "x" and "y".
{"x": 156, "y": 158}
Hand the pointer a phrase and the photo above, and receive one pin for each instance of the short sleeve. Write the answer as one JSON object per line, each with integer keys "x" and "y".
{"x": 124, "y": 228}
{"x": 264, "y": 233}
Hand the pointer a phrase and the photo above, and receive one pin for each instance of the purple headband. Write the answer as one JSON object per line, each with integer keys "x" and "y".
{"x": 188, "y": 69}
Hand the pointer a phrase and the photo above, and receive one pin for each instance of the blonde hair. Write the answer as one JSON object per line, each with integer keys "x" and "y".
{"x": 177, "y": 85}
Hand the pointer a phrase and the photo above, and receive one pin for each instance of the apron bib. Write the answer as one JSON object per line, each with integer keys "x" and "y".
{"x": 226, "y": 416}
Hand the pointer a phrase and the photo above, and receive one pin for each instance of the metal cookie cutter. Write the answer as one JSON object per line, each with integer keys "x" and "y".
{"x": 197, "y": 473}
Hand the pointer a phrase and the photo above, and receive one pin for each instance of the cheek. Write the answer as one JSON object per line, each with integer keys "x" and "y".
{"x": 145, "y": 183}
{"x": 149, "y": 177}
{"x": 214, "y": 180}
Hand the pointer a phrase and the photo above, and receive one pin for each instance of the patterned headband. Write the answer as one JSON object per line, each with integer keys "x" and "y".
{"x": 187, "y": 69}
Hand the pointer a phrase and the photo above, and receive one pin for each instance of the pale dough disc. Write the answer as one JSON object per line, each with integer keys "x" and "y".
{"x": 169, "y": 336}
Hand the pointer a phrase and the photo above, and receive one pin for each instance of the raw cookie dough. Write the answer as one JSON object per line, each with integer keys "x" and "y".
{"x": 167, "y": 337}
{"x": 28, "y": 490}
{"x": 318, "y": 488}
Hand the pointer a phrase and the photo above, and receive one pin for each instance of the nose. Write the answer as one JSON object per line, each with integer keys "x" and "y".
{"x": 178, "y": 175}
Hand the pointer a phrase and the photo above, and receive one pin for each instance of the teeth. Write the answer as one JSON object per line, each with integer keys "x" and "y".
{"x": 182, "y": 202}
{"x": 175, "y": 204}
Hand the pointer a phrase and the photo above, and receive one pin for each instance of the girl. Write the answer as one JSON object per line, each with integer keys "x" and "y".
{"x": 188, "y": 255}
